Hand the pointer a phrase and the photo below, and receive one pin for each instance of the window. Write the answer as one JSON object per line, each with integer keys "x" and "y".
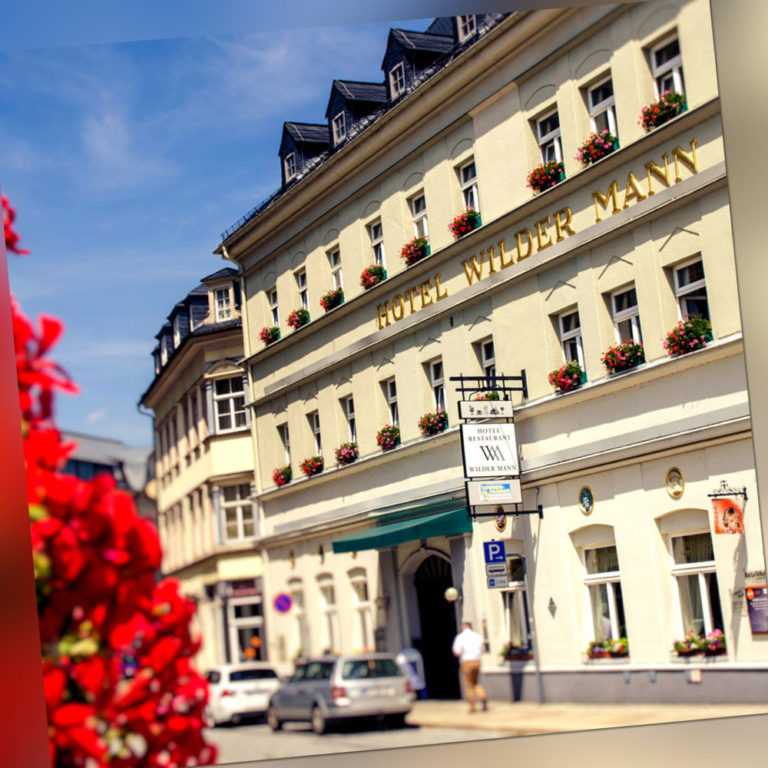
{"x": 223, "y": 304}
{"x": 418, "y": 206}
{"x": 548, "y": 134}
{"x": 197, "y": 315}
{"x": 515, "y": 597}
{"x": 437, "y": 382}
{"x": 301, "y": 284}
{"x": 376, "y": 233}
{"x": 245, "y": 621}
{"x": 397, "y": 79}
{"x": 487, "y": 358}
{"x": 366, "y": 669}
{"x": 602, "y": 107}
{"x": 334, "y": 259}
{"x": 691, "y": 290}
{"x": 273, "y": 308}
{"x": 359, "y": 582}
{"x": 314, "y": 426}
{"x": 694, "y": 569}
{"x": 237, "y": 509}
{"x": 468, "y": 182}
{"x": 667, "y": 67}
{"x": 229, "y": 404}
{"x": 328, "y": 607}
{"x": 290, "y": 166}
{"x": 467, "y": 27}
{"x": 339, "y": 124}
{"x": 296, "y": 590}
{"x": 348, "y": 404}
{"x": 180, "y": 328}
{"x": 605, "y": 598}
{"x": 285, "y": 440}
{"x": 390, "y": 394}
{"x": 626, "y": 315}
{"x": 570, "y": 337}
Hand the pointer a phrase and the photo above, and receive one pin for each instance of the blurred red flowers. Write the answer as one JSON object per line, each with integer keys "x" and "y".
{"x": 120, "y": 687}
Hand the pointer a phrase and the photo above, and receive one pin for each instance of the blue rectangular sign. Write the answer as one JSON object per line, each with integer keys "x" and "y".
{"x": 494, "y": 552}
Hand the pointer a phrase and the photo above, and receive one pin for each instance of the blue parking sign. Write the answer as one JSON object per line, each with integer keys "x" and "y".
{"x": 494, "y": 552}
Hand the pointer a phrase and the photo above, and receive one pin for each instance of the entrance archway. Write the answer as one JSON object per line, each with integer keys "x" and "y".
{"x": 438, "y": 627}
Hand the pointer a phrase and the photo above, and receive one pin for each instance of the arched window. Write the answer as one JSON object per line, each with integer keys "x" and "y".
{"x": 358, "y": 579}
{"x": 331, "y": 639}
{"x": 296, "y": 590}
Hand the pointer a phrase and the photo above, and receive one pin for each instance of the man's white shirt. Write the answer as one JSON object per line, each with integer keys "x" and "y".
{"x": 468, "y": 645}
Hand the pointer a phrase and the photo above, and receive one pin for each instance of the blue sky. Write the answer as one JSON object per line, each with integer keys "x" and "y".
{"x": 126, "y": 161}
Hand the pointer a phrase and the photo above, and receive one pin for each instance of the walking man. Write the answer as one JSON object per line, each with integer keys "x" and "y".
{"x": 468, "y": 648}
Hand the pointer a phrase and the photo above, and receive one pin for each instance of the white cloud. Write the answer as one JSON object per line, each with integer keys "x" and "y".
{"x": 94, "y": 417}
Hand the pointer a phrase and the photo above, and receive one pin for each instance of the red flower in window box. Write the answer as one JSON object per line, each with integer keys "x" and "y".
{"x": 545, "y": 176}
{"x": 347, "y": 453}
{"x": 388, "y": 437}
{"x": 269, "y": 335}
{"x": 657, "y": 113}
{"x": 312, "y": 466}
{"x": 332, "y": 299}
{"x": 487, "y": 396}
{"x": 282, "y": 476}
{"x": 596, "y": 147}
{"x": 688, "y": 336}
{"x": 567, "y": 377}
{"x": 415, "y": 250}
{"x": 433, "y": 423}
{"x": 465, "y": 223}
{"x": 623, "y": 357}
{"x": 298, "y": 318}
{"x": 372, "y": 275}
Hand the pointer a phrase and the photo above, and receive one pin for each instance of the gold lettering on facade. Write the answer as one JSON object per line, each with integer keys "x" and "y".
{"x": 632, "y": 190}
{"x": 426, "y": 299}
{"x": 601, "y": 200}
{"x": 524, "y": 233}
{"x": 654, "y": 170}
{"x": 564, "y": 225}
{"x": 542, "y": 233}
{"x": 688, "y": 160}
{"x": 439, "y": 287}
{"x": 491, "y": 252}
{"x": 382, "y": 315}
{"x": 505, "y": 262}
{"x": 410, "y": 295}
{"x": 398, "y": 307}
{"x": 473, "y": 269}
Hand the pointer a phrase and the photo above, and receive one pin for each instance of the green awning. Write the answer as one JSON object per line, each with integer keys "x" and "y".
{"x": 453, "y": 522}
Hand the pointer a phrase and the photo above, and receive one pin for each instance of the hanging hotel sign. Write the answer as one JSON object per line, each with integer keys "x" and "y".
{"x": 728, "y": 509}
{"x": 494, "y": 492}
{"x": 485, "y": 409}
{"x": 489, "y": 450}
{"x": 545, "y": 231}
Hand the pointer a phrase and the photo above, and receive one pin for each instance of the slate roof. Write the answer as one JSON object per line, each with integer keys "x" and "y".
{"x": 220, "y": 274}
{"x": 442, "y": 26}
{"x": 356, "y": 90}
{"x": 309, "y": 133}
{"x": 424, "y": 41}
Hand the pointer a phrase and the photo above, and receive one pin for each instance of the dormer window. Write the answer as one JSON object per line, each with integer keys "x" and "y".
{"x": 397, "y": 79}
{"x": 156, "y": 358}
{"x": 197, "y": 315}
{"x": 290, "y": 166}
{"x": 467, "y": 27}
{"x": 339, "y": 127}
{"x": 180, "y": 328}
{"x": 223, "y": 304}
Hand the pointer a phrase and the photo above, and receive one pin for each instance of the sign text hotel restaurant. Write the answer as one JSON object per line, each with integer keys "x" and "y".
{"x": 545, "y": 232}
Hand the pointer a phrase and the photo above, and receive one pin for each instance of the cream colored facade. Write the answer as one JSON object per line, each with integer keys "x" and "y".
{"x": 534, "y": 259}
{"x": 204, "y": 469}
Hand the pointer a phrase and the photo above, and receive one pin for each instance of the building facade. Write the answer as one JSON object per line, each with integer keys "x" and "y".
{"x": 204, "y": 469}
{"x": 622, "y": 249}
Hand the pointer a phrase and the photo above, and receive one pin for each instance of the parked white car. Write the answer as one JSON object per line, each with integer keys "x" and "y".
{"x": 240, "y": 690}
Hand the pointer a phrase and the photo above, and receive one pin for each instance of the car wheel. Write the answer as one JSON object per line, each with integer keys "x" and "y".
{"x": 396, "y": 721}
{"x": 319, "y": 723}
{"x": 273, "y": 721}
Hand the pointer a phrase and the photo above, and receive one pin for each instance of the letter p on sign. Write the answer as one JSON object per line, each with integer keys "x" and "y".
{"x": 494, "y": 551}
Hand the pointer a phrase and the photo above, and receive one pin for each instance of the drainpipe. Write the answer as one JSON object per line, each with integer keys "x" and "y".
{"x": 531, "y": 612}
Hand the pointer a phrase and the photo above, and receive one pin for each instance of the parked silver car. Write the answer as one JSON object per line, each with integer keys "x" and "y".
{"x": 329, "y": 689}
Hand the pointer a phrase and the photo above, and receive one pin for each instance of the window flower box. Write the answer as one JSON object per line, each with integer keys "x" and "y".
{"x": 298, "y": 318}
{"x": 372, "y": 275}
{"x": 597, "y": 146}
{"x": 545, "y": 176}
{"x": 465, "y": 223}
{"x": 712, "y": 644}
{"x": 608, "y": 649}
{"x": 567, "y": 377}
{"x": 346, "y": 453}
{"x": 269, "y": 335}
{"x": 657, "y": 113}
{"x": 623, "y": 357}
{"x": 516, "y": 653}
{"x": 282, "y": 476}
{"x": 332, "y": 299}
{"x": 415, "y": 250}
{"x": 487, "y": 396}
{"x": 312, "y": 466}
{"x": 388, "y": 437}
{"x": 433, "y": 423}
{"x": 687, "y": 336}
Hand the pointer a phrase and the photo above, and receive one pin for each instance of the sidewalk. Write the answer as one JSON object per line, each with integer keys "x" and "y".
{"x": 524, "y": 719}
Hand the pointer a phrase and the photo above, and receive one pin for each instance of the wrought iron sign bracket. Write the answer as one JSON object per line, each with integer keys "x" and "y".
{"x": 724, "y": 491}
{"x": 501, "y": 511}
{"x": 504, "y": 385}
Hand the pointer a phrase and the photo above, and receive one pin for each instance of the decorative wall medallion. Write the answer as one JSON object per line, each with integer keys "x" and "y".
{"x": 586, "y": 500}
{"x": 501, "y": 522}
{"x": 675, "y": 483}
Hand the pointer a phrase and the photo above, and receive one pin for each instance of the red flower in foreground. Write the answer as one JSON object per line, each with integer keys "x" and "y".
{"x": 11, "y": 236}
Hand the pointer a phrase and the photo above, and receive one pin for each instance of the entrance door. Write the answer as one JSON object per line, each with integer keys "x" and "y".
{"x": 438, "y": 628}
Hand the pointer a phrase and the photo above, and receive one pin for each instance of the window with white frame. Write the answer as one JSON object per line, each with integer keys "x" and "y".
{"x": 298, "y": 609}
{"x": 290, "y": 166}
{"x": 359, "y": 582}
{"x": 376, "y": 234}
{"x": 469, "y": 188}
{"x": 229, "y": 404}
{"x": 602, "y": 107}
{"x": 301, "y": 284}
{"x": 273, "y": 307}
{"x": 667, "y": 66}
{"x": 437, "y": 382}
{"x": 397, "y": 79}
{"x": 237, "y": 511}
{"x": 603, "y": 582}
{"x": 327, "y": 590}
{"x": 197, "y": 315}
{"x": 487, "y": 356}
{"x": 245, "y": 621}
{"x": 334, "y": 259}
{"x": 691, "y": 290}
{"x": 418, "y": 207}
{"x": 626, "y": 315}
{"x": 467, "y": 26}
{"x": 515, "y": 598}
{"x": 180, "y": 328}
{"x": 339, "y": 124}
{"x": 548, "y": 135}
{"x": 390, "y": 395}
{"x": 348, "y": 406}
{"x": 285, "y": 441}
{"x": 223, "y": 304}
{"x": 694, "y": 570}
{"x": 569, "y": 326}
{"x": 314, "y": 427}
